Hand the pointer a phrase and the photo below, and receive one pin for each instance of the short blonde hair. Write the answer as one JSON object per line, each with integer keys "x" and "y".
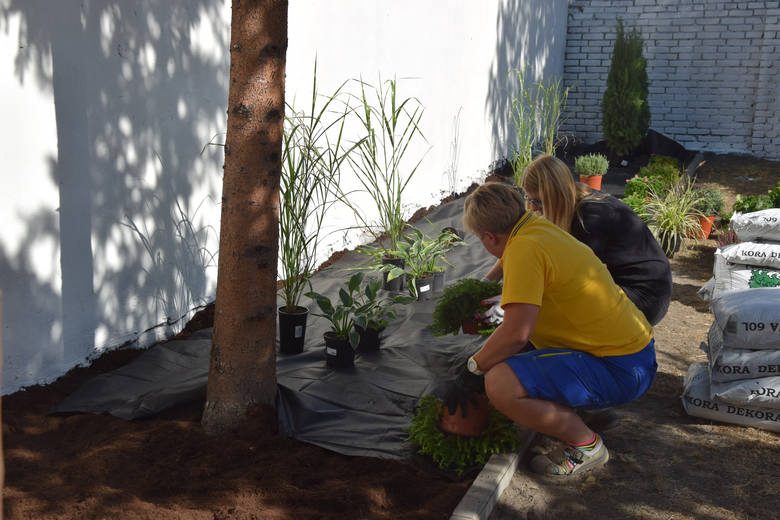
{"x": 552, "y": 180}
{"x": 494, "y": 207}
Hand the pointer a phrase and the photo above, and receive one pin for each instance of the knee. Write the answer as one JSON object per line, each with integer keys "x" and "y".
{"x": 501, "y": 384}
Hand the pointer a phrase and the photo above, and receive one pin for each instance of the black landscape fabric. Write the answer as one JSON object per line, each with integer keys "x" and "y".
{"x": 362, "y": 411}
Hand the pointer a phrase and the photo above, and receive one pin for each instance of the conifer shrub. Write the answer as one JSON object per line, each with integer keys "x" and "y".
{"x": 625, "y": 111}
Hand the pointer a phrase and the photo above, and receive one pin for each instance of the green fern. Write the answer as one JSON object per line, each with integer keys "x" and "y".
{"x": 455, "y": 452}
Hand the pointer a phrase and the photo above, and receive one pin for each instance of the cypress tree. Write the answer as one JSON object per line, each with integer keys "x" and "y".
{"x": 625, "y": 111}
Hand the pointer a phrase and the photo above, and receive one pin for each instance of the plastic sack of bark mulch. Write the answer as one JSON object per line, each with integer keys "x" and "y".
{"x": 763, "y": 254}
{"x": 728, "y": 276}
{"x": 748, "y": 319}
{"x": 736, "y": 364}
{"x": 763, "y": 392}
{"x": 697, "y": 402}
{"x": 764, "y": 224}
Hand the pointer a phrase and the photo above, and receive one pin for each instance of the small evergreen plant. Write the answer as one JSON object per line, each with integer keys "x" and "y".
{"x": 626, "y": 113}
{"x": 591, "y": 164}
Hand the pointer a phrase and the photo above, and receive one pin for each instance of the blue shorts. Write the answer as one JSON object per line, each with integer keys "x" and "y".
{"x": 582, "y": 380}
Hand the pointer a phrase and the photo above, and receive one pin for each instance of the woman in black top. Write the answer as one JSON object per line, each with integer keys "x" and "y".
{"x": 609, "y": 227}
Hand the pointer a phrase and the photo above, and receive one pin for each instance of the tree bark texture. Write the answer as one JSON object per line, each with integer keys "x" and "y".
{"x": 242, "y": 373}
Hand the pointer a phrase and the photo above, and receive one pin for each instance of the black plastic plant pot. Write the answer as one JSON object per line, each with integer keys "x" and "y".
{"x": 458, "y": 233}
{"x": 338, "y": 351}
{"x": 292, "y": 330}
{"x": 396, "y": 284}
{"x": 369, "y": 339}
{"x": 424, "y": 288}
{"x": 670, "y": 244}
{"x": 439, "y": 278}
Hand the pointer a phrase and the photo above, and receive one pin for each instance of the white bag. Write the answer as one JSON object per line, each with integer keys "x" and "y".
{"x": 736, "y": 364}
{"x": 763, "y": 392}
{"x": 697, "y": 402}
{"x": 748, "y": 319}
{"x": 728, "y": 277}
{"x": 765, "y": 254}
{"x": 763, "y": 224}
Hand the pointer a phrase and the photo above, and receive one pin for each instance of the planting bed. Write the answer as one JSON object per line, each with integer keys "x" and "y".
{"x": 664, "y": 463}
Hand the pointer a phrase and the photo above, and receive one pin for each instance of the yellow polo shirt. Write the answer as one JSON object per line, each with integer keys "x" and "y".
{"x": 580, "y": 306}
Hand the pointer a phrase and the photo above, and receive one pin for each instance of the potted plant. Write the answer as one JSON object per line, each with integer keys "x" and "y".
{"x": 390, "y": 126}
{"x": 358, "y": 307}
{"x": 710, "y": 205}
{"x": 459, "y": 454}
{"x": 310, "y": 169}
{"x": 343, "y": 338}
{"x": 373, "y": 313}
{"x": 591, "y": 167}
{"x": 674, "y": 215}
{"x": 421, "y": 256}
{"x": 458, "y": 304}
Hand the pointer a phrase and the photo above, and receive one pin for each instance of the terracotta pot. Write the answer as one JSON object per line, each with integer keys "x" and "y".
{"x": 292, "y": 330}
{"x": 594, "y": 181}
{"x": 469, "y": 326}
{"x": 706, "y": 224}
{"x": 472, "y": 425}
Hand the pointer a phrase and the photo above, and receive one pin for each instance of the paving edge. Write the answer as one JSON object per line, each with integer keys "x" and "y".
{"x": 483, "y": 494}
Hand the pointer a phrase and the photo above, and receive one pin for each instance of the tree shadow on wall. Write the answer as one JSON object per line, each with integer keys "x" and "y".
{"x": 529, "y": 32}
{"x": 134, "y": 106}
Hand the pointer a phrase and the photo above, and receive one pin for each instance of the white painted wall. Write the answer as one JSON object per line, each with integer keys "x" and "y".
{"x": 108, "y": 105}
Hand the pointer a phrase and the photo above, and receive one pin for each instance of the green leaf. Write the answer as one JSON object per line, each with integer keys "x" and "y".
{"x": 354, "y": 282}
{"x": 345, "y": 297}
{"x": 354, "y": 338}
{"x": 372, "y": 287}
{"x": 361, "y": 322}
{"x": 395, "y": 272}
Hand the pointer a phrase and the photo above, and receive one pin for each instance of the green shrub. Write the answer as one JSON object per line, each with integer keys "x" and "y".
{"x": 591, "y": 164}
{"x": 668, "y": 172}
{"x": 460, "y": 301}
{"x": 642, "y": 186}
{"x": 710, "y": 201}
{"x": 455, "y": 452}
{"x": 751, "y": 203}
{"x": 625, "y": 111}
{"x": 664, "y": 160}
{"x": 638, "y": 204}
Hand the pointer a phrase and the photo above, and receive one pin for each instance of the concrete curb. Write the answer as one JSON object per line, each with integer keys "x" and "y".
{"x": 482, "y": 496}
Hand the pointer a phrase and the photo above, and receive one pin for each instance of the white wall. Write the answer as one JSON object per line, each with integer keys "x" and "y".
{"x": 109, "y": 206}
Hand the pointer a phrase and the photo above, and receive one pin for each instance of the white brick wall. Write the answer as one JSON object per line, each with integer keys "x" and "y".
{"x": 713, "y": 67}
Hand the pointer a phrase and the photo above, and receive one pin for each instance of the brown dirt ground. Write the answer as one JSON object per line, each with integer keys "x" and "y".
{"x": 664, "y": 463}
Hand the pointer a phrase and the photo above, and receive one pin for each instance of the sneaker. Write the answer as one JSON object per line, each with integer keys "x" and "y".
{"x": 569, "y": 462}
{"x": 599, "y": 420}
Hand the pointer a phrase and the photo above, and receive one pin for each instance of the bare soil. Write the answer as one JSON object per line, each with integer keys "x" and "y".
{"x": 664, "y": 463}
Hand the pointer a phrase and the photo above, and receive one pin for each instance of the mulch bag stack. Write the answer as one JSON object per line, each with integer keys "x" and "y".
{"x": 751, "y": 263}
{"x": 740, "y": 382}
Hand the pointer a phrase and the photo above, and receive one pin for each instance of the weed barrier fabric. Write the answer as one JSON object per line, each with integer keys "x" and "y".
{"x": 360, "y": 411}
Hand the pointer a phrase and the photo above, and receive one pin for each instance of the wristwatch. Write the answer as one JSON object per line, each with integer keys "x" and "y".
{"x": 472, "y": 366}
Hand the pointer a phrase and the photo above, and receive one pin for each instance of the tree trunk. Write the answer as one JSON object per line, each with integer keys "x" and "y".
{"x": 242, "y": 374}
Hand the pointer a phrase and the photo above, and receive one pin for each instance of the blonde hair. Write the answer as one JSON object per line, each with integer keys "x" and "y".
{"x": 494, "y": 207}
{"x": 560, "y": 195}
